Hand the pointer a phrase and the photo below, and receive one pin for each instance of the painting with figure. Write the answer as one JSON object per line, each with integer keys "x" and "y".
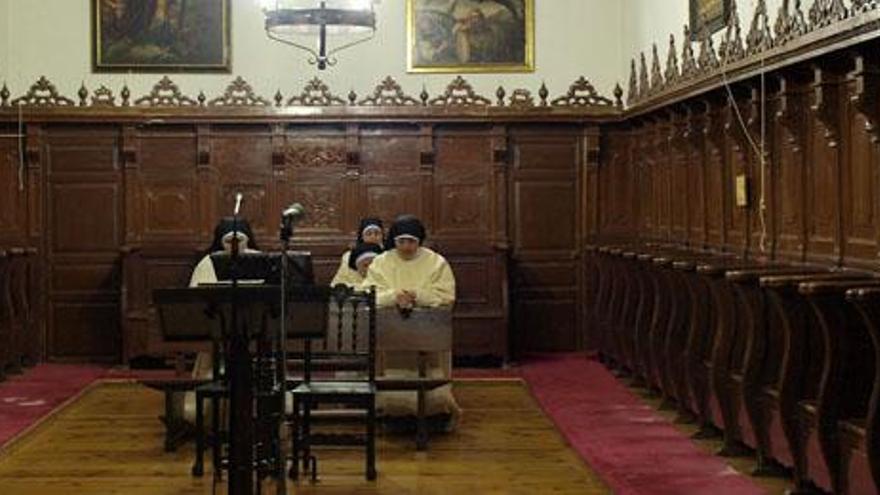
{"x": 161, "y": 35}
{"x": 708, "y": 15}
{"x": 470, "y": 35}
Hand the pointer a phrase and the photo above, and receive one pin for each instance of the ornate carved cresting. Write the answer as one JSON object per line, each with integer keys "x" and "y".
{"x": 656, "y": 75}
{"x": 315, "y": 94}
{"x": 826, "y": 12}
{"x": 632, "y": 93}
{"x": 389, "y": 94}
{"x": 581, "y": 94}
{"x": 165, "y": 94}
{"x": 789, "y": 23}
{"x": 860, "y": 6}
{"x": 459, "y": 93}
{"x": 644, "y": 84}
{"x": 732, "y": 46}
{"x": 688, "y": 63}
{"x": 43, "y": 94}
{"x": 239, "y": 94}
{"x": 103, "y": 97}
{"x": 672, "y": 74}
{"x": 865, "y": 92}
{"x": 314, "y": 156}
{"x": 759, "y": 38}
{"x": 521, "y": 98}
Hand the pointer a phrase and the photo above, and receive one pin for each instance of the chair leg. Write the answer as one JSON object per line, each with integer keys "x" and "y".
{"x": 306, "y": 438}
{"x": 421, "y": 422}
{"x": 198, "y": 467}
{"x": 216, "y": 432}
{"x": 294, "y": 441}
{"x": 371, "y": 440}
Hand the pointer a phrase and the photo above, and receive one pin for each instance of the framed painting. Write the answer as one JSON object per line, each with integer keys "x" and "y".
{"x": 161, "y": 35}
{"x": 708, "y": 15}
{"x": 470, "y": 35}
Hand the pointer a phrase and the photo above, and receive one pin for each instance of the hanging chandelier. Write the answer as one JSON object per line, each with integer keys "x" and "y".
{"x": 292, "y": 21}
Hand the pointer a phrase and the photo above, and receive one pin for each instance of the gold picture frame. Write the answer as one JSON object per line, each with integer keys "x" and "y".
{"x": 458, "y": 36}
{"x": 161, "y": 36}
{"x": 708, "y": 15}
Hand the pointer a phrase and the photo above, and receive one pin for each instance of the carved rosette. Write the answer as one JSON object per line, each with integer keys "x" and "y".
{"x": 582, "y": 94}
{"x": 314, "y": 156}
{"x": 239, "y": 94}
{"x": 315, "y": 94}
{"x": 322, "y": 208}
{"x": 672, "y": 73}
{"x": 43, "y": 94}
{"x": 389, "y": 94}
{"x": 460, "y": 93}
{"x": 165, "y": 94}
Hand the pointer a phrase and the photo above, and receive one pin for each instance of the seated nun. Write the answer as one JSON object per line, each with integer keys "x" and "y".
{"x": 228, "y": 237}
{"x": 406, "y": 276}
{"x": 361, "y": 257}
{"x": 369, "y": 232}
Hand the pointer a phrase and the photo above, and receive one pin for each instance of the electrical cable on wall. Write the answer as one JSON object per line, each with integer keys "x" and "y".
{"x": 757, "y": 148}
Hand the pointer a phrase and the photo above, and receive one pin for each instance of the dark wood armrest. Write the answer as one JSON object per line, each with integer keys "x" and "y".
{"x": 838, "y": 287}
{"x": 864, "y": 295}
{"x": 16, "y": 251}
{"x": 754, "y": 274}
{"x": 794, "y": 279}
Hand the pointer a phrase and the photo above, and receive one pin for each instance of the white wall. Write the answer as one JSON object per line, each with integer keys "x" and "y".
{"x": 646, "y": 23}
{"x": 52, "y": 38}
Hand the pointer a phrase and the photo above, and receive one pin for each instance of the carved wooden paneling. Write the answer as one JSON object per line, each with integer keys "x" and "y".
{"x": 715, "y": 179}
{"x": 13, "y": 190}
{"x": 859, "y": 188}
{"x": 462, "y": 176}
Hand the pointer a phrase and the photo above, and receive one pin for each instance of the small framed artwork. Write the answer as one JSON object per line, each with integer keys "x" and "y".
{"x": 470, "y": 35}
{"x": 161, "y": 35}
{"x": 708, "y": 15}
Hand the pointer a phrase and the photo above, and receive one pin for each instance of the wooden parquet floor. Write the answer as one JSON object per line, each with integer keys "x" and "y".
{"x": 110, "y": 442}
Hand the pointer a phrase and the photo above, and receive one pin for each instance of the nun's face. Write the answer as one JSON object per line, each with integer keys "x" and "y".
{"x": 407, "y": 248}
{"x": 373, "y": 236}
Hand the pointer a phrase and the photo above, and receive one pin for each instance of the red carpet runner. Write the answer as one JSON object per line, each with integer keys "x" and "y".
{"x": 24, "y": 399}
{"x": 632, "y": 448}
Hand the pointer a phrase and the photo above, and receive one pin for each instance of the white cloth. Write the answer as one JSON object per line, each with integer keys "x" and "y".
{"x": 345, "y": 275}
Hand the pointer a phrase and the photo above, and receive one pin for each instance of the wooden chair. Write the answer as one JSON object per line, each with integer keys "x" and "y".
{"x": 339, "y": 371}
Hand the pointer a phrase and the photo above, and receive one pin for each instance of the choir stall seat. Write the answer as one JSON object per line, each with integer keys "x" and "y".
{"x": 800, "y": 385}
{"x": 861, "y": 442}
{"x": 845, "y": 394}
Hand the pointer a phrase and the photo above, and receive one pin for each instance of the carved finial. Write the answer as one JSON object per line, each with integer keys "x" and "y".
{"x": 826, "y": 12}
{"x": 83, "y": 94}
{"x": 656, "y": 75}
{"x": 499, "y": 93}
{"x": 352, "y": 97}
{"x": 543, "y": 94}
{"x": 103, "y": 97}
{"x": 125, "y": 94}
{"x": 708, "y": 60}
{"x": 632, "y": 93}
{"x": 618, "y": 96}
{"x": 732, "y": 46}
{"x": 4, "y": 95}
{"x": 424, "y": 95}
{"x": 644, "y": 84}
{"x": 672, "y": 74}
{"x": 789, "y": 23}
{"x": 759, "y": 37}
{"x": 861, "y": 6}
{"x": 279, "y": 98}
{"x": 201, "y": 98}
{"x": 688, "y": 63}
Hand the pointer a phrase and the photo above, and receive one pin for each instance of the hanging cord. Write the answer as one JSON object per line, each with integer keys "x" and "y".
{"x": 758, "y": 149}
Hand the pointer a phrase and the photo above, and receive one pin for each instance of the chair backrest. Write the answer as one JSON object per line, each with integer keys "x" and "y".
{"x": 348, "y": 348}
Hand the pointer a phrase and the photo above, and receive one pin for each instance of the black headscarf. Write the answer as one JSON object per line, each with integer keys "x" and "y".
{"x": 224, "y": 227}
{"x": 361, "y": 248}
{"x": 366, "y": 222}
{"x": 406, "y": 224}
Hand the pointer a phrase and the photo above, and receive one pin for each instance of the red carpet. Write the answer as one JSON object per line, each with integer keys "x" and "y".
{"x": 634, "y": 450}
{"x": 24, "y": 399}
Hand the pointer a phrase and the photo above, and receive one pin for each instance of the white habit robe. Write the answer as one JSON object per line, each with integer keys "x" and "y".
{"x": 430, "y": 277}
{"x": 345, "y": 275}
